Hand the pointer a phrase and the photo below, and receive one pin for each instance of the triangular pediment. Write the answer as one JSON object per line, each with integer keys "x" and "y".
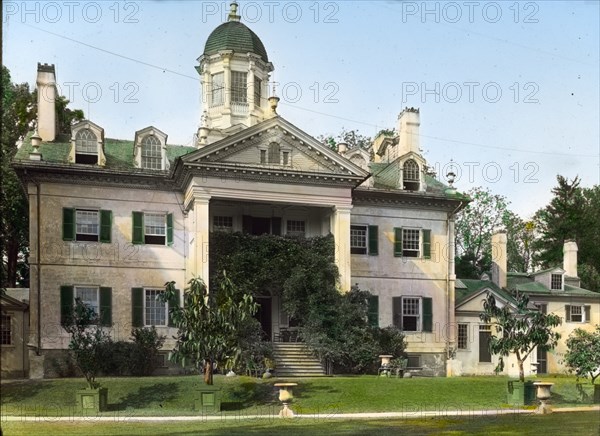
{"x": 277, "y": 146}
{"x": 474, "y": 302}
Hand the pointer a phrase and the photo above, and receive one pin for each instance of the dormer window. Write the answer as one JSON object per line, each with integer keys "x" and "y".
{"x": 556, "y": 282}
{"x": 149, "y": 150}
{"x": 86, "y": 147}
{"x": 87, "y": 141}
{"x": 151, "y": 153}
{"x": 410, "y": 175}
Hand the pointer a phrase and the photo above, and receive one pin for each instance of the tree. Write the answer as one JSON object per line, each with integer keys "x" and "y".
{"x": 353, "y": 138}
{"x": 208, "y": 323}
{"x": 519, "y": 331}
{"x": 521, "y": 237}
{"x": 583, "y": 354}
{"x": 18, "y": 114}
{"x": 474, "y": 227}
{"x": 87, "y": 341}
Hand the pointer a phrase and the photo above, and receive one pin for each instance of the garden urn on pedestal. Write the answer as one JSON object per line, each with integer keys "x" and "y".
{"x": 543, "y": 394}
{"x": 286, "y": 396}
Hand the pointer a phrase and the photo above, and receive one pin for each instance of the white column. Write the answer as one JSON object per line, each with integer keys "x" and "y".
{"x": 201, "y": 237}
{"x": 341, "y": 232}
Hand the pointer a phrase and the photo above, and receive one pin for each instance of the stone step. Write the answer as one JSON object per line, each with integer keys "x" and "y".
{"x": 295, "y": 360}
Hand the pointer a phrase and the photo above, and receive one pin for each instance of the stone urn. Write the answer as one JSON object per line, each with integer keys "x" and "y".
{"x": 385, "y": 360}
{"x": 543, "y": 394}
{"x": 286, "y": 396}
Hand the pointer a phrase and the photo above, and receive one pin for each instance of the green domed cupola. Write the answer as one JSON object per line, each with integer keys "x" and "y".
{"x": 235, "y": 73}
{"x": 237, "y": 37}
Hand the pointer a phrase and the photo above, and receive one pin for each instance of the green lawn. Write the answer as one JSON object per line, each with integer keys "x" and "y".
{"x": 580, "y": 423}
{"x": 163, "y": 396}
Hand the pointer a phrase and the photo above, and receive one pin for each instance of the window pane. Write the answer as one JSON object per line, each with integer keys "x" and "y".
{"x": 238, "y": 87}
{"x": 154, "y": 224}
{"x": 410, "y": 242}
{"x": 274, "y": 157}
{"x": 576, "y": 314}
{"x": 358, "y": 239}
{"x": 295, "y": 227}
{"x": 462, "y": 336}
{"x": 411, "y": 171}
{"x": 151, "y": 153}
{"x": 86, "y": 142}
{"x": 217, "y": 90}
{"x": 222, "y": 223}
{"x": 257, "y": 89}
{"x": 155, "y": 310}
{"x": 86, "y": 222}
{"x": 5, "y": 331}
{"x": 410, "y": 314}
{"x": 556, "y": 281}
{"x": 88, "y": 296}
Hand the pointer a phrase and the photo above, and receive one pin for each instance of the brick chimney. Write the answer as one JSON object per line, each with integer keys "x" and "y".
{"x": 408, "y": 131}
{"x": 499, "y": 260}
{"x": 46, "y": 87}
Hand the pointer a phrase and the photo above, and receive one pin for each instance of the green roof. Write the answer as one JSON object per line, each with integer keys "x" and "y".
{"x": 118, "y": 152}
{"x": 473, "y": 286}
{"x": 235, "y": 36}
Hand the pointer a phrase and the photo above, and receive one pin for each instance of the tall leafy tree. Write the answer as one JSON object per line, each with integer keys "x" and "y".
{"x": 474, "y": 227}
{"x": 208, "y": 323}
{"x": 519, "y": 331}
{"x": 521, "y": 236}
{"x": 18, "y": 114}
{"x": 573, "y": 213}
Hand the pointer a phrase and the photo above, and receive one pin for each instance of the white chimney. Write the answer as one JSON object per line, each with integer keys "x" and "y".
{"x": 408, "y": 131}
{"x": 46, "y": 88}
{"x": 342, "y": 147}
{"x": 570, "y": 258}
{"x": 499, "y": 261}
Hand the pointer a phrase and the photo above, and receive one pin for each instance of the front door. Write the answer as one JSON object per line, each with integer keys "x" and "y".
{"x": 263, "y": 315}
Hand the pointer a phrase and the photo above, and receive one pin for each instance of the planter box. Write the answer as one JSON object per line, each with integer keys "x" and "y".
{"x": 92, "y": 400}
{"x": 208, "y": 400}
{"x": 520, "y": 393}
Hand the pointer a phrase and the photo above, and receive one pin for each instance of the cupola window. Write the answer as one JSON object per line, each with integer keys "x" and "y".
{"x": 238, "y": 87}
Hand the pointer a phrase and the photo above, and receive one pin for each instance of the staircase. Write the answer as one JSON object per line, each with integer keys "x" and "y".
{"x": 293, "y": 359}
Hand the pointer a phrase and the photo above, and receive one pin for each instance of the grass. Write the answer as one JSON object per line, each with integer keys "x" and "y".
{"x": 174, "y": 395}
{"x": 580, "y": 423}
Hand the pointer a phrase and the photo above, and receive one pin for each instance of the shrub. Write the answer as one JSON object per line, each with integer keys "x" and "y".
{"x": 147, "y": 343}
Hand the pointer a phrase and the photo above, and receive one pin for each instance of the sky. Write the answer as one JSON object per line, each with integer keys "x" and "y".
{"x": 508, "y": 92}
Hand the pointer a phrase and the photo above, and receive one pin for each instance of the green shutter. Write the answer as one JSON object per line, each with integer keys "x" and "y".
{"x": 106, "y": 307}
{"x": 427, "y": 315}
{"x": 373, "y": 311}
{"x": 427, "y": 244}
{"x": 568, "y": 313}
{"x": 373, "y": 240}
{"x": 138, "y": 228}
{"x": 587, "y": 310}
{"x": 276, "y": 226}
{"x": 68, "y": 224}
{"x": 169, "y": 229}
{"x": 397, "y": 242}
{"x": 66, "y": 303}
{"x": 137, "y": 307}
{"x": 175, "y": 302}
{"x": 105, "y": 226}
{"x": 397, "y": 312}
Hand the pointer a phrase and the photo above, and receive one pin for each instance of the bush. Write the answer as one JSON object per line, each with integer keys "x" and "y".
{"x": 137, "y": 358}
{"x": 390, "y": 340}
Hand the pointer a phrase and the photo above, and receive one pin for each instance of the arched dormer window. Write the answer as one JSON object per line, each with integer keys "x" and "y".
{"x": 86, "y": 147}
{"x": 151, "y": 153}
{"x": 411, "y": 175}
